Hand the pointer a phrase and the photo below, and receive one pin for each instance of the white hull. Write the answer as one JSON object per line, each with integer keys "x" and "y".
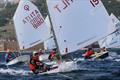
{"x": 23, "y": 58}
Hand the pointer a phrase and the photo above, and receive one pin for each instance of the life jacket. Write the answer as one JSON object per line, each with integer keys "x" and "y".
{"x": 52, "y": 55}
{"x": 32, "y": 67}
{"x": 33, "y": 64}
{"x": 88, "y": 54}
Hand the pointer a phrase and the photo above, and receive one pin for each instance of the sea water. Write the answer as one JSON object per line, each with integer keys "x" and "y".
{"x": 70, "y": 70}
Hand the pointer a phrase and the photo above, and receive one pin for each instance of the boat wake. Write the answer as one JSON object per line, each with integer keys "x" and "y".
{"x": 69, "y": 66}
{"x": 63, "y": 67}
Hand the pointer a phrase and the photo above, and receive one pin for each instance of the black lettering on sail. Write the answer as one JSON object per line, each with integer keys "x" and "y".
{"x": 24, "y": 21}
{"x": 37, "y": 21}
{"x": 36, "y": 12}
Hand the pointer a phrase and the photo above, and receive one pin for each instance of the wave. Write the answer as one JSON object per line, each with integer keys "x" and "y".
{"x": 63, "y": 67}
{"x": 14, "y": 72}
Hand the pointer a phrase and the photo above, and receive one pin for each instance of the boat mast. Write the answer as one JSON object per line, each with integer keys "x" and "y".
{"x": 52, "y": 29}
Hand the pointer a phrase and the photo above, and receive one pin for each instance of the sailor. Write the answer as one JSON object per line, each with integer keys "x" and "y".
{"x": 52, "y": 55}
{"x": 103, "y": 53}
{"x": 104, "y": 49}
{"x": 89, "y": 53}
{"x": 8, "y": 56}
{"x": 36, "y": 65}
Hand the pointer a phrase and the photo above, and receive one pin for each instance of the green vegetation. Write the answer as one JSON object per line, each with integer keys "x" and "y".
{"x": 112, "y": 6}
{"x": 8, "y": 12}
{"x": 41, "y": 6}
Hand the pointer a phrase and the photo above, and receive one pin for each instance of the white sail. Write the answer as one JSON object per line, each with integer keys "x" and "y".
{"x": 113, "y": 40}
{"x": 77, "y": 23}
{"x": 114, "y": 23}
{"x": 29, "y": 25}
{"x": 49, "y": 43}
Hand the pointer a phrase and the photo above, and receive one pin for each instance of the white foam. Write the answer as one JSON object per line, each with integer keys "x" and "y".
{"x": 118, "y": 60}
{"x": 79, "y": 59}
{"x": 65, "y": 67}
{"x": 14, "y": 72}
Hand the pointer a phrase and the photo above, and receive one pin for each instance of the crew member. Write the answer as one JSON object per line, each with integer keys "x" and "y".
{"x": 52, "y": 55}
{"x": 36, "y": 65}
{"x": 8, "y": 56}
{"x": 88, "y": 54}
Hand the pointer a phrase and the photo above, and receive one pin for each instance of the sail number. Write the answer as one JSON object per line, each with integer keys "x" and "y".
{"x": 94, "y": 2}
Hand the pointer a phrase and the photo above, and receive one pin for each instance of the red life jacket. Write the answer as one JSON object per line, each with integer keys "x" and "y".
{"x": 32, "y": 67}
{"x": 33, "y": 61}
{"x": 88, "y": 54}
{"x": 52, "y": 54}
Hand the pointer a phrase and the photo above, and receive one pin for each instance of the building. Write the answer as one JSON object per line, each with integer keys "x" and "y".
{"x": 13, "y": 45}
{"x": 36, "y": 47}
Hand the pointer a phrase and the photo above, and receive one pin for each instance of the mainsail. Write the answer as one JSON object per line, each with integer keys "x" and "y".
{"x": 29, "y": 25}
{"x": 112, "y": 40}
{"x": 77, "y": 23}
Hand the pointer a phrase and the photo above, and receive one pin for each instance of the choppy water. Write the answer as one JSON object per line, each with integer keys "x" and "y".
{"x": 78, "y": 70}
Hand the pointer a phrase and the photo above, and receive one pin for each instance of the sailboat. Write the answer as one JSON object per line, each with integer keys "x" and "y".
{"x": 77, "y": 23}
{"x": 30, "y": 28}
{"x": 112, "y": 40}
